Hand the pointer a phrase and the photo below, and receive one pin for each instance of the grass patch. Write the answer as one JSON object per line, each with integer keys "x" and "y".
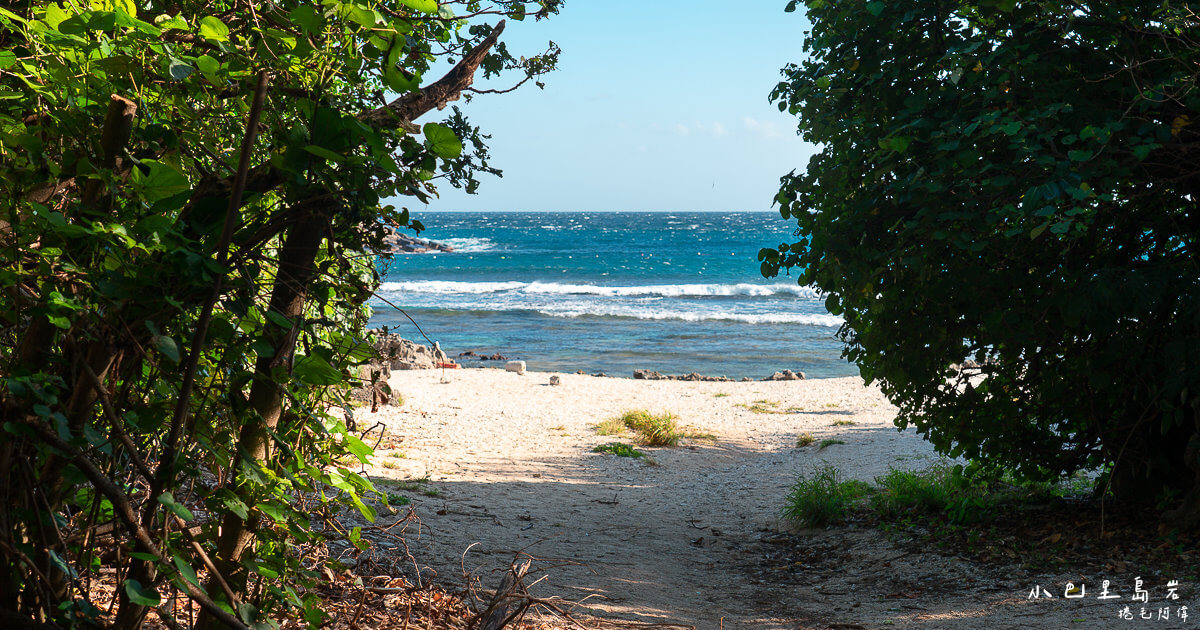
{"x": 827, "y": 443}
{"x": 397, "y": 454}
{"x": 992, "y": 517}
{"x": 805, "y": 439}
{"x": 390, "y": 465}
{"x": 932, "y": 490}
{"x": 620, "y": 450}
{"x": 823, "y": 497}
{"x": 721, "y": 395}
{"x": 612, "y": 426}
{"x": 413, "y": 485}
{"x": 844, "y": 423}
{"x": 653, "y": 429}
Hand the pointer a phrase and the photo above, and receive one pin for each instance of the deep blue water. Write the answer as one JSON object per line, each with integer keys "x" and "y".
{"x": 613, "y": 292}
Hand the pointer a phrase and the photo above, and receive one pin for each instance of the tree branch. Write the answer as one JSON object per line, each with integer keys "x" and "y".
{"x": 411, "y": 106}
{"x": 399, "y": 113}
{"x": 126, "y": 513}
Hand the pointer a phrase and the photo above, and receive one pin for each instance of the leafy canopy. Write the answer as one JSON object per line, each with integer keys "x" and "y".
{"x": 174, "y": 352}
{"x": 1011, "y": 183}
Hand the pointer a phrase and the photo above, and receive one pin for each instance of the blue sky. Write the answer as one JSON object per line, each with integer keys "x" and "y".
{"x": 657, "y": 105}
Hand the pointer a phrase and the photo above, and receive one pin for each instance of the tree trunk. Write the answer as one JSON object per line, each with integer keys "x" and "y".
{"x": 288, "y": 298}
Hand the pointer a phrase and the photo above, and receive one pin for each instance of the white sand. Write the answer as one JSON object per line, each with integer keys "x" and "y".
{"x": 687, "y": 540}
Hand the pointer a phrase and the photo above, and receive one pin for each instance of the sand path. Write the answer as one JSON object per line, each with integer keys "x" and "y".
{"x": 695, "y": 539}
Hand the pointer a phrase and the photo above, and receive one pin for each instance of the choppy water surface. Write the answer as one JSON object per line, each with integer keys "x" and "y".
{"x": 613, "y": 292}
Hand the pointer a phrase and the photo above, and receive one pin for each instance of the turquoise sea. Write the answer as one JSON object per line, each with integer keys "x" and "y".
{"x": 612, "y": 292}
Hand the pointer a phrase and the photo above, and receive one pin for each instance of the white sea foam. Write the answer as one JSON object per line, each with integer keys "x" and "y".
{"x": 450, "y": 287}
{"x": 469, "y": 245}
{"x": 443, "y": 287}
{"x": 806, "y": 319}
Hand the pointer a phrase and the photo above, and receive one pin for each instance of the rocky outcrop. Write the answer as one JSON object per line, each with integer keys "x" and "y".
{"x": 410, "y": 244}
{"x": 650, "y": 375}
{"x": 395, "y": 353}
{"x": 786, "y": 375}
{"x": 399, "y": 353}
{"x": 471, "y": 354}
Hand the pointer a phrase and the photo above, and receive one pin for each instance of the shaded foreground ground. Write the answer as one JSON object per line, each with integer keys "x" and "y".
{"x": 500, "y": 465}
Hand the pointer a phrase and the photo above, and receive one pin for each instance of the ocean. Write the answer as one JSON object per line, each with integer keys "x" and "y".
{"x": 612, "y": 292}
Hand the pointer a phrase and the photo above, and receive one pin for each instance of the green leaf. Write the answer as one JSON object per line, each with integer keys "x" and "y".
{"x": 308, "y": 18}
{"x": 142, "y": 595}
{"x": 185, "y": 570}
{"x": 128, "y": 7}
{"x": 1037, "y": 231}
{"x": 322, "y": 152}
{"x": 367, "y": 511}
{"x": 441, "y": 140}
{"x": 168, "y": 347}
{"x": 833, "y": 304}
{"x": 313, "y": 370}
{"x": 163, "y": 181}
{"x": 5, "y": 13}
{"x": 169, "y": 22}
{"x": 424, "y": 6}
{"x": 235, "y": 505}
{"x": 276, "y": 512}
{"x": 208, "y": 66}
{"x": 7, "y": 59}
{"x": 213, "y": 29}
{"x": 176, "y": 508}
{"x": 875, "y": 8}
{"x": 358, "y": 448}
{"x": 1079, "y": 155}
{"x": 62, "y": 566}
{"x": 179, "y": 70}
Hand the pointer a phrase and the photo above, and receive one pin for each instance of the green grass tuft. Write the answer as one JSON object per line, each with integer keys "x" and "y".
{"x": 931, "y": 490}
{"x": 844, "y": 423}
{"x": 805, "y": 439}
{"x": 653, "y": 430}
{"x": 619, "y": 449}
{"x": 823, "y": 497}
{"x": 613, "y": 426}
{"x": 827, "y": 443}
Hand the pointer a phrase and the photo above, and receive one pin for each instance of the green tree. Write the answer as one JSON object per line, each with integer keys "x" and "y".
{"x": 1012, "y": 183}
{"x": 192, "y": 205}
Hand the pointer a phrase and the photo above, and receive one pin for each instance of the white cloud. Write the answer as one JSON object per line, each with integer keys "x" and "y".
{"x": 681, "y": 129}
{"x": 765, "y": 129}
{"x": 719, "y": 130}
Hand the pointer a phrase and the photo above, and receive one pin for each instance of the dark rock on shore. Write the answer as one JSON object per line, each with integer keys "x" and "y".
{"x": 471, "y": 354}
{"x": 650, "y": 375}
{"x": 786, "y": 375}
{"x": 410, "y": 244}
{"x": 396, "y": 353}
{"x": 401, "y": 354}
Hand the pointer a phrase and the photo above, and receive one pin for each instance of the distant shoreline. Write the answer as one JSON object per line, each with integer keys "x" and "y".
{"x": 449, "y": 211}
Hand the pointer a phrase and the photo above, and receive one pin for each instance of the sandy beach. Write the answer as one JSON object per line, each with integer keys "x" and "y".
{"x": 500, "y": 465}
